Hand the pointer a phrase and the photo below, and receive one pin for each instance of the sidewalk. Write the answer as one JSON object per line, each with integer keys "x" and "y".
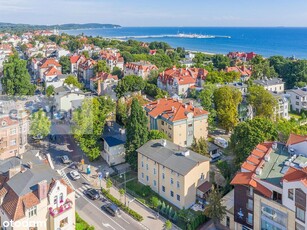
{"x": 150, "y": 221}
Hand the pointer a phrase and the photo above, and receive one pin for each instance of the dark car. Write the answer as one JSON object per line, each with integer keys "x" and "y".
{"x": 92, "y": 193}
{"x": 111, "y": 208}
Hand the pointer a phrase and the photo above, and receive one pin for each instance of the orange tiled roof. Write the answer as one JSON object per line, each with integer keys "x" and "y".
{"x": 145, "y": 66}
{"x": 74, "y": 59}
{"x": 52, "y": 71}
{"x": 246, "y": 178}
{"x": 104, "y": 76}
{"x": 254, "y": 160}
{"x": 294, "y": 174}
{"x": 295, "y": 138}
{"x": 249, "y": 167}
{"x": 172, "y": 109}
{"x": 46, "y": 62}
{"x": 257, "y": 153}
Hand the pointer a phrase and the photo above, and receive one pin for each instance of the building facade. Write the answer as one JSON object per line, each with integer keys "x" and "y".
{"x": 158, "y": 162}
{"x": 141, "y": 69}
{"x": 180, "y": 122}
{"x": 298, "y": 99}
{"x": 272, "y": 84}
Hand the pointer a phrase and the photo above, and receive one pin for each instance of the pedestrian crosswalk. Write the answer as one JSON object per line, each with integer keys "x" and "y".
{"x": 64, "y": 176}
{"x": 79, "y": 192}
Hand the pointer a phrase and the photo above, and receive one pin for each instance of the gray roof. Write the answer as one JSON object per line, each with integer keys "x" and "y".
{"x": 269, "y": 81}
{"x": 6, "y": 165}
{"x": 67, "y": 89}
{"x": 301, "y": 91}
{"x": 25, "y": 182}
{"x": 212, "y": 147}
{"x": 171, "y": 156}
{"x": 113, "y": 129}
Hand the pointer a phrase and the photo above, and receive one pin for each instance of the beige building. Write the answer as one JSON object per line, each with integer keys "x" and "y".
{"x": 67, "y": 98}
{"x": 141, "y": 69}
{"x": 34, "y": 196}
{"x": 180, "y": 122}
{"x": 13, "y": 135}
{"x": 173, "y": 172}
{"x": 272, "y": 84}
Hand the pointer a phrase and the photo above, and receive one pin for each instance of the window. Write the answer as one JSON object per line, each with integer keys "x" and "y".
{"x": 297, "y": 103}
{"x": 163, "y": 176}
{"x": 228, "y": 221}
{"x": 172, "y": 181}
{"x": 55, "y": 200}
{"x": 147, "y": 178}
{"x": 178, "y": 197}
{"x": 250, "y": 192}
{"x": 154, "y": 171}
{"x": 290, "y": 194}
{"x": 13, "y": 142}
{"x": 32, "y": 211}
{"x": 172, "y": 194}
{"x": 162, "y": 122}
{"x": 146, "y": 166}
{"x": 190, "y": 125}
{"x": 178, "y": 184}
{"x": 297, "y": 97}
{"x": 155, "y": 183}
{"x": 142, "y": 164}
{"x": 202, "y": 176}
{"x": 61, "y": 197}
{"x": 63, "y": 222}
{"x": 249, "y": 218}
{"x": 142, "y": 175}
{"x": 300, "y": 214}
{"x": 163, "y": 188}
{"x": 299, "y": 227}
{"x": 13, "y": 131}
{"x": 185, "y": 143}
{"x": 190, "y": 133}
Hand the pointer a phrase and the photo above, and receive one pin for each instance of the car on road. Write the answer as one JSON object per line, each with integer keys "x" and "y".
{"x": 112, "y": 209}
{"x": 92, "y": 193}
{"x": 74, "y": 175}
{"x": 65, "y": 159}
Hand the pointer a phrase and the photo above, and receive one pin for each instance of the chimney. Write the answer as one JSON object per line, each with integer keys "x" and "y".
{"x": 99, "y": 87}
{"x": 42, "y": 189}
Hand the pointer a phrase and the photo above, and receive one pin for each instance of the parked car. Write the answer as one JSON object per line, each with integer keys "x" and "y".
{"x": 65, "y": 159}
{"x": 92, "y": 194}
{"x": 221, "y": 142}
{"x": 112, "y": 209}
{"x": 74, "y": 175}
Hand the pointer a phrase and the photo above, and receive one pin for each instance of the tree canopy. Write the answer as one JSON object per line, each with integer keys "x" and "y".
{"x": 65, "y": 63}
{"x": 215, "y": 209}
{"x": 72, "y": 80}
{"x": 129, "y": 83}
{"x": 16, "y": 79}
{"x": 137, "y": 132}
{"x": 101, "y": 66}
{"x": 40, "y": 124}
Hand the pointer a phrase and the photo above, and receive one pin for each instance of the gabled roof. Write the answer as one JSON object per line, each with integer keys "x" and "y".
{"x": 295, "y": 174}
{"x": 172, "y": 109}
{"x": 295, "y": 139}
{"x": 46, "y": 62}
{"x": 51, "y": 71}
{"x": 74, "y": 59}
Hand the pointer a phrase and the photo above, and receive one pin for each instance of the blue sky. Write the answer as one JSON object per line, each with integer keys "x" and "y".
{"x": 158, "y": 12}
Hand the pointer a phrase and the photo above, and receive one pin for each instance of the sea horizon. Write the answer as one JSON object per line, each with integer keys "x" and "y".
{"x": 266, "y": 41}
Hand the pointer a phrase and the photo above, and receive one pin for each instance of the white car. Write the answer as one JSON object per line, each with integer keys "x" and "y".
{"x": 74, "y": 175}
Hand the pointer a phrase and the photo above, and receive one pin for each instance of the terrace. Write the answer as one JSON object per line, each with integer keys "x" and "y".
{"x": 63, "y": 208}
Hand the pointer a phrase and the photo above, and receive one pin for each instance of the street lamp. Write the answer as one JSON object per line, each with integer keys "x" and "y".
{"x": 121, "y": 176}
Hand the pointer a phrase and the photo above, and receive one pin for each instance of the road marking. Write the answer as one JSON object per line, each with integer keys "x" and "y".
{"x": 124, "y": 219}
{"x": 89, "y": 201}
{"x": 107, "y": 226}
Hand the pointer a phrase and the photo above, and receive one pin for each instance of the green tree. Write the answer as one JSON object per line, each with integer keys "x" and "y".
{"x": 65, "y": 63}
{"x": 227, "y": 100}
{"x": 121, "y": 192}
{"x": 49, "y": 90}
{"x": 215, "y": 209}
{"x": 261, "y": 68}
{"x": 86, "y": 54}
{"x": 167, "y": 225}
{"x": 16, "y": 79}
{"x": 153, "y": 91}
{"x": 156, "y": 134}
{"x": 155, "y": 202}
{"x": 118, "y": 72}
{"x": 137, "y": 132}
{"x": 247, "y": 135}
{"x": 121, "y": 112}
{"x": 200, "y": 146}
{"x": 130, "y": 83}
{"x": 220, "y": 61}
{"x": 40, "y": 124}
{"x": 262, "y": 101}
{"x": 206, "y": 97}
{"x": 72, "y": 80}
{"x": 101, "y": 66}
{"x": 89, "y": 121}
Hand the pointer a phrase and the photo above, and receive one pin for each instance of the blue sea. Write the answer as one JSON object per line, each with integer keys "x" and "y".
{"x": 265, "y": 41}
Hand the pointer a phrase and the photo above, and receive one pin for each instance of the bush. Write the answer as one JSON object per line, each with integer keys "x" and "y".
{"x": 129, "y": 211}
{"x": 81, "y": 224}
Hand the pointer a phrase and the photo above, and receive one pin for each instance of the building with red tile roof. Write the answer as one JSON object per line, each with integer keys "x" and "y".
{"x": 33, "y": 192}
{"x": 86, "y": 71}
{"x": 101, "y": 80}
{"x": 241, "y": 56}
{"x": 178, "y": 81}
{"x": 46, "y": 64}
{"x": 297, "y": 144}
{"x": 113, "y": 58}
{"x": 141, "y": 69}
{"x": 181, "y": 122}
{"x": 245, "y": 72}
{"x": 272, "y": 181}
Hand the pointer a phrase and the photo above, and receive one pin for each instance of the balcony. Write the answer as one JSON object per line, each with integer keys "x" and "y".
{"x": 63, "y": 208}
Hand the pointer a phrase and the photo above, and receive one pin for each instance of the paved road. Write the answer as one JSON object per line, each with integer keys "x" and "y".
{"x": 91, "y": 210}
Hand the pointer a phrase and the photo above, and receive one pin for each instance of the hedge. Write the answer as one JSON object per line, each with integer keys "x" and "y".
{"x": 129, "y": 211}
{"x": 81, "y": 224}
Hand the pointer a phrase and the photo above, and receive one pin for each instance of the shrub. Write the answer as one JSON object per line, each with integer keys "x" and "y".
{"x": 155, "y": 202}
{"x": 129, "y": 211}
{"x": 81, "y": 224}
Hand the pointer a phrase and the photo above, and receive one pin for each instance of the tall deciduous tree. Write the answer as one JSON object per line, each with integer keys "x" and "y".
{"x": 16, "y": 79}
{"x": 200, "y": 146}
{"x": 65, "y": 63}
{"x": 215, "y": 209}
{"x": 247, "y": 135}
{"x": 49, "y": 90}
{"x": 101, "y": 66}
{"x": 226, "y": 101}
{"x": 137, "y": 132}
{"x": 72, "y": 80}
{"x": 206, "y": 97}
{"x": 40, "y": 124}
{"x": 130, "y": 83}
{"x": 262, "y": 101}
